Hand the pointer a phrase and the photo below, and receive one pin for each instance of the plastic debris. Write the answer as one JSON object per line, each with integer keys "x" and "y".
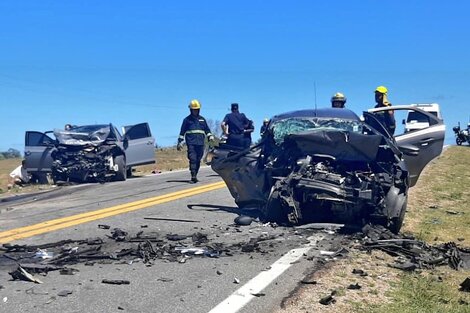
{"x": 43, "y": 254}
{"x": 115, "y": 281}
{"x": 243, "y": 220}
{"x": 21, "y": 274}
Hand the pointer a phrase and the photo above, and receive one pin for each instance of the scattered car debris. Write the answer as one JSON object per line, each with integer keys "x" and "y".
{"x": 65, "y": 293}
{"x": 219, "y": 272}
{"x": 115, "y": 281}
{"x": 258, "y": 294}
{"x": 327, "y": 300}
{"x": 170, "y": 219}
{"x": 355, "y": 286}
{"x": 236, "y": 280}
{"x": 103, "y": 226}
{"x": 21, "y": 274}
{"x": 359, "y": 272}
{"x": 175, "y": 237}
{"x": 68, "y": 271}
{"x": 308, "y": 282}
{"x": 465, "y": 285}
{"x": 243, "y": 220}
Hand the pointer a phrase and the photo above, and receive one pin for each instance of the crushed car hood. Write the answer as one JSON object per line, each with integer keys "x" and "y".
{"x": 342, "y": 145}
{"x": 82, "y": 138}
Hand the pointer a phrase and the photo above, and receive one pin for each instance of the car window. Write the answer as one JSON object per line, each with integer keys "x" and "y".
{"x": 38, "y": 139}
{"x": 291, "y": 126}
{"x": 418, "y": 117}
{"x": 138, "y": 131}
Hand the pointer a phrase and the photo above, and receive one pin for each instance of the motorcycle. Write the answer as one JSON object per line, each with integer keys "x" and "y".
{"x": 461, "y": 135}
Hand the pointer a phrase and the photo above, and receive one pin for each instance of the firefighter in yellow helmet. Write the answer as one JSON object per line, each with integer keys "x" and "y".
{"x": 387, "y": 118}
{"x": 338, "y": 100}
{"x": 194, "y": 131}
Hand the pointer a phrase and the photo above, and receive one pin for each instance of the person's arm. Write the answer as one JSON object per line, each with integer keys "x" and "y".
{"x": 224, "y": 125}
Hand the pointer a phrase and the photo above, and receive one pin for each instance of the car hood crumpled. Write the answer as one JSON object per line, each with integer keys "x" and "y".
{"x": 342, "y": 145}
{"x": 76, "y": 138}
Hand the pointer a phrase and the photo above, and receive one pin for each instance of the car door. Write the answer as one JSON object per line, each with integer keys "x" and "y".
{"x": 37, "y": 152}
{"x": 139, "y": 145}
{"x": 419, "y": 147}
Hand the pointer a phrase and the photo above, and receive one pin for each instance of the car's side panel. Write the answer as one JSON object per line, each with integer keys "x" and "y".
{"x": 139, "y": 145}
{"x": 421, "y": 146}
{"x": 38, "y": 149}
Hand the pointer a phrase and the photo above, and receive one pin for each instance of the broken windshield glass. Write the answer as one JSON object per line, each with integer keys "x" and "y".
{"x": 83, "y": 135}
{"x": 290, "y": 126}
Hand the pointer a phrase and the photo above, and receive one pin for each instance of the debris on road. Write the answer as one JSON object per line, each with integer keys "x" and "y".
{"x": 103, "y": 226}
{"x": 115, "y": 281}
{"x": 359, "y": 272}
{"x": 65, "y": 293}
{"x": 21, "y": 274}
{"x": 243, "y": 220}
{"x": 236, "y": 280}
{"x": 170, "y": 219}
{"x": 328, "y": 299}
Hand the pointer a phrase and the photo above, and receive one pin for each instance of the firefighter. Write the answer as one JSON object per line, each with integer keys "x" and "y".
{"x": 264, "y": 127}
{"x": 387, "y": 118}
{"x": 235, "y": 125}
{"x": 338, "y": 100}
{"x": 194, "y": 130}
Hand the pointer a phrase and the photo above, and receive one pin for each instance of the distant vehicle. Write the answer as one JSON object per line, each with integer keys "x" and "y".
{"x": 88, "y": 153}
{"x": 416, "y": 120}
{"x": 462, "y": 135}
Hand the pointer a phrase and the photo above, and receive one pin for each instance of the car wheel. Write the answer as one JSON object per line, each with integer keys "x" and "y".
{"x": 458, "y": 141}
{"x": 121, "y": 173}
{"x": 397, "y": 222}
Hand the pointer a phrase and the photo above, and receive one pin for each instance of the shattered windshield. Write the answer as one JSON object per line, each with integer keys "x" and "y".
{"x": 296, "y": 125}
{"x": 83, "y": 135}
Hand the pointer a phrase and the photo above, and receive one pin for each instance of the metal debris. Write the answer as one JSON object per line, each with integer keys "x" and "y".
{"x": 465, "y": 285}
{"x": 65, "y": 293}
{"x": 170, "y": 219}
{"x": 355, "y": 286}
{"x": 21, "y": 274}
{"x": 115, "y": 281}
{"x": 359, "y": 272}
{"x": 243, "y": 220}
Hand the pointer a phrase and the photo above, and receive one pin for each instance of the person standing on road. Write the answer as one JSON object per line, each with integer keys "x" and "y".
{"x": 387, "y": 118}
{"x": 194, "y": 130}
{"x": 234, "y": 126}
{"x": 338, "y": 100}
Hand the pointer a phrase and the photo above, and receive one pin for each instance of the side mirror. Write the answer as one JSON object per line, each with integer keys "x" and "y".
{"x": 409, "y": 150}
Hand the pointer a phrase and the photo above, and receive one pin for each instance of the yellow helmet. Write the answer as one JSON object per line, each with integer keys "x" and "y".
{"x": 381, "y": 89}
{"x": 338, "y": 97}
{"x": 194, "y": 105}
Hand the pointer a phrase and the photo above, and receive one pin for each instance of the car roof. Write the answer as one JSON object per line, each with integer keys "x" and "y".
{"x": 321, "y": 113}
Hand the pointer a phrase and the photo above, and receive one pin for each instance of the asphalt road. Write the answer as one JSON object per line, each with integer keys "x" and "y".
{"x": 201, "y": 284}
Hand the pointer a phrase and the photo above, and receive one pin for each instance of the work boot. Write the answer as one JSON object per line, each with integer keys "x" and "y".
{"x": 194, "y": 179}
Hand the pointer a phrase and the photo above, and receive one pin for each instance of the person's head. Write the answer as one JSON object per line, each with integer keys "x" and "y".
{"x": 380, "y": 93}
{"x": 266, "y": 121}
{"x": 234, "y": 107}
{"x": 194, "y": 107}
{"x": 68, "y": 127}
{"x": 338, "y": 100}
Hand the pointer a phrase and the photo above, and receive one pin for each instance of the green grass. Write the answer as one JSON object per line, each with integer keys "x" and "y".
{"x": 416, "y": 293}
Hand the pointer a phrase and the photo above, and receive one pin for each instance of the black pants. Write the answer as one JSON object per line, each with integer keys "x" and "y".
{"x": 195, "y": 153}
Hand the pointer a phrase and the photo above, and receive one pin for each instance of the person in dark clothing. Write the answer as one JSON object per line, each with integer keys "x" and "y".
{"x": 387, "y": 118}
{"x": 264, "y": 127}
{"x": 248, "y": 130}
{"x": 194, "y": 130}
{"x": 234, "y": 126}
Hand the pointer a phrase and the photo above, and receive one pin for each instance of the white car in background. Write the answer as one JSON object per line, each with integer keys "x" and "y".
{"x": 415, "y": 120}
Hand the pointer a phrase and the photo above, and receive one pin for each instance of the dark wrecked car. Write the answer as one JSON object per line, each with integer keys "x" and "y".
{"x": 96, "y": 153}
{"x": 329, "y": 165}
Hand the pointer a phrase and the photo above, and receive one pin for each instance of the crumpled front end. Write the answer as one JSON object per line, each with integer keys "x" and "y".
{"x": 82, "y": 163}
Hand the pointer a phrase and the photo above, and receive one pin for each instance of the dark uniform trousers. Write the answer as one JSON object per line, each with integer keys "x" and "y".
{"x": 195, "y": 153}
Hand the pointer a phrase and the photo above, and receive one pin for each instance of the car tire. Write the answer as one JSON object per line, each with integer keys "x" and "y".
{"x": 458, "y": 141}
{"x": 397, "y": 222}
{"x": 121, "y": 173}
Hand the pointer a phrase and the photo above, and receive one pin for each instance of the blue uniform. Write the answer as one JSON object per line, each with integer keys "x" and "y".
{"x": 194, "y": 130}
{"x": 237, "y": 123}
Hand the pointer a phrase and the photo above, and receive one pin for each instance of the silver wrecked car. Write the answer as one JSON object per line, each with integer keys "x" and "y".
{"x": 330, "y": 165}
{"x": 96, "y": 153}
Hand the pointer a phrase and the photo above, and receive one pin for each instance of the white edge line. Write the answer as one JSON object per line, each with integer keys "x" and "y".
{"x": 241, "y": 297}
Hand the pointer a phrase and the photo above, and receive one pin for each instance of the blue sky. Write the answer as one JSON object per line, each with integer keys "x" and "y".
{"x": 125, "y": 62}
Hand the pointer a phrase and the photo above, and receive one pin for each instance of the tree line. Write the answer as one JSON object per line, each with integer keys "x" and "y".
{"x": 10, "y": 154}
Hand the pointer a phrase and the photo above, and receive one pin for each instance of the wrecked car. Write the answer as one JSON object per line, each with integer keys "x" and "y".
{"x": 96, "y": 153}
{"x": 330, "y": 165}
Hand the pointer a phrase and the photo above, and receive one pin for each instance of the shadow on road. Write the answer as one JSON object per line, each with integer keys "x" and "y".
{"x": 179, "y": 181}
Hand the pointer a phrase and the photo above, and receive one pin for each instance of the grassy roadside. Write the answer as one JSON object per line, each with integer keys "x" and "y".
{"x": 438, "y": 211}
{"x": 168, "y": 159}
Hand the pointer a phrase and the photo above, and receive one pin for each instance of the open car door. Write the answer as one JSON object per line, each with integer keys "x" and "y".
{"x": 139, "y": 145}
{"x": 37, "y": 152}
{"x": 420, "y": 146}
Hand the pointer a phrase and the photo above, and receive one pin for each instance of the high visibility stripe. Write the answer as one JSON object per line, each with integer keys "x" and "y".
{"x": 196, "y": 131}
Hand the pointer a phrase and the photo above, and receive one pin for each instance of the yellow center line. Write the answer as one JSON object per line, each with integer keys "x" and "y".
{"x": 64, "y": 222}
